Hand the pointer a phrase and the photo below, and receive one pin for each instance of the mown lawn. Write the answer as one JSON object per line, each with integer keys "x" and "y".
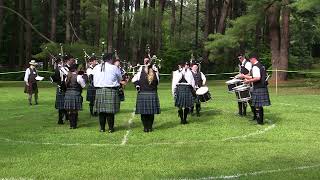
{"x": 219, "y": 144}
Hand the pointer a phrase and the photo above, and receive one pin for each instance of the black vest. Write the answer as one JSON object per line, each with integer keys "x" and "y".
{"x": 73, "y": 84}
{"x": 197, "y": 78}
{"x": 243, "y": 69}
{"x": 32, "y": 76}
{"x": 262, "y": 83}
{"x": 144, "y": 83}
{"x": 183, "y": 79}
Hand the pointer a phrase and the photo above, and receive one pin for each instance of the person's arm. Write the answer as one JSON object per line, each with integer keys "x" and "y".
{"x": 256, "y": 76}
{"x": 26, "y": 76}
{"x": 81, "y": 81}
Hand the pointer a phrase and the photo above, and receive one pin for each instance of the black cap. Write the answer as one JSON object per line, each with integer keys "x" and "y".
{"x": 58, "y": 60}
{"x": 254, "y": 55}
{"x": 107, "y": 57}
{"x": 73, "y": 67}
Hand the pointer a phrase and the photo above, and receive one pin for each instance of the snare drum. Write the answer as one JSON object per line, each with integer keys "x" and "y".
{"x": 203, "y": 94}
{"x": 233, "y": 83}
{"x": 243, "y": 93}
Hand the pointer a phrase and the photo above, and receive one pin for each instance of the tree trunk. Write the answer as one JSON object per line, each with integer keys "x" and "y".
{"x": 223, "y": 16}
{"x": 45, "y": 27}
{"x": 111, "y": 14}
{"x": 1, "y": 22}
{"x": 126, "y": 28}
{"x": 208, "y": 29}
{"x": 137, "y": 41}
{"x": 68, "y": 20}
{"x": 197, "y": 25}
{"x": 274, "y": 33}
{"x": 28, "y": 32}
{"x": 97, "y": 24}
{"x": 180, "y": 19}
{"x": 14, "y": 44}
{"x": 21, "y": 36}
{"x": 284, "y": 47}
{"x": 158, "y": 34}
{"x": 120, "y": 25}
{"x": 54, "y": 9}
{"x": 173, "y": 21}
{"x": 76, "y": 19}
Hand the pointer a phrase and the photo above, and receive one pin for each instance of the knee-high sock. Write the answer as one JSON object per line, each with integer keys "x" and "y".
{"x": 180, "y": 112}
{"x": 102, "y": 120}
{"x": 61, "y": 114}
{"x": 259, "y": 112}
{"x": 72, "y": 119}
{"x": 240, "y": 108}
{"x": 185, "y": 115}
{"x": 253, "y": 109}
{"x": 30, "y": 98}
{"x": 91, "y": 109}
{"x": 75, "y": 119}
{"x": 244, "y": 108}
{"x": 143, "y": 120}
{"x": 149, "y": 121}
{"x": 198, "y": 108}
{"x": 152, "y": 120}
{"x": 36, "y": 98}
{"x": 110, "y": 120}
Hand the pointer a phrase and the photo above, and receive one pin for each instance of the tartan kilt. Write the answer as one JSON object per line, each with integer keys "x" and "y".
{"x": 107, "y": 100}
{"x": 73, "y": 100}
{"x": 59, "y": 99}
{"x": 147, "y": 103}
{"x": 31, "y": 89}
{"x": 260, "y": 97}
{"x": 91, "y": 94}
{"x": 184, "y": 96}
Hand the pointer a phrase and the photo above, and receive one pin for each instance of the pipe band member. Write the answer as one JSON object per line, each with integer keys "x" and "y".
{"x": 91, "y": 91}
{"x": 183, "y": 90}
{"x": 245, "y": 67}
{"x": 124, "y": 80}
{"x": 106, "y": 79}
{"x": 147, "y": 103}
{"x": 73, "y": 99}
{"x": 200, "y": 80}
{"x": 260, "y": 93}
{"x": 31, "y": 86}
{"x": 59, "y": 78}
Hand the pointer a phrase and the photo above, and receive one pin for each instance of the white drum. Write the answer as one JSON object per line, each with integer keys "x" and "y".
{"x": 203, "y": 94}
{"x": 233, "y": 83}
{"x": 243, "y": 93}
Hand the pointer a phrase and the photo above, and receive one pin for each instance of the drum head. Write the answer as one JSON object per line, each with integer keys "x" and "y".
{"x": 233, "y": 81}
{"x": 202, "y": 90}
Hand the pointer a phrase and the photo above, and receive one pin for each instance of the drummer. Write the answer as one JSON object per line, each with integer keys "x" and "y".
{"x": 245, "y": 67}
{"x": 200, "y": 80}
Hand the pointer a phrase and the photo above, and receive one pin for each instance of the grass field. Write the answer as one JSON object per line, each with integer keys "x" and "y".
{"x": 217, "y": 145}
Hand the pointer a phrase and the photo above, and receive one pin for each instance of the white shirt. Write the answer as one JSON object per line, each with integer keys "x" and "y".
{"x": 177, "y": 76}
{"x": 90, "y": 70}
{"x": 248, "y": 65}
{"x": 81, "y": 81}
{"x": 255, "y": 72}
{"x": 107, "y": 76}
{"x": 27, "y": 73}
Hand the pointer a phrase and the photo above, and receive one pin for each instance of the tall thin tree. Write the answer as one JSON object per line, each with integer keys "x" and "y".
{"x": 53, "y": 20}
{"x": 68, "y": 20}
{"x": 28, "y": 32}
{"x": 111, "y": 13}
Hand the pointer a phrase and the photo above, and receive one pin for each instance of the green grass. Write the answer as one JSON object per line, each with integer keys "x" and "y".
{"x": 218, "y": 143}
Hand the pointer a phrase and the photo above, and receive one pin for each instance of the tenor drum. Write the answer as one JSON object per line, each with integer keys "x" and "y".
{"x": 243, "y": 93}
{"x": 203, "y": 94}
{"x": 233, "y": 83}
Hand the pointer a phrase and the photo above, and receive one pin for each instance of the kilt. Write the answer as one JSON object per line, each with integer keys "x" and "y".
{"x": 59, "y": 99}
{"x": 91, "y": 94}
{"x": 260, "y": 97}
{"x": 184, "y": 96}
{"x": 147, "y": 103}
{"x": 73, "y": 100}
{"x": 107, "y": 100}
{"x": 31, "y": 89}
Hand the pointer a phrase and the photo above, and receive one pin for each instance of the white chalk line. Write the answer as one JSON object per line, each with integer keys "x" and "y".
{"x": 125, "y": 138}
{"x": 259, "y": 172}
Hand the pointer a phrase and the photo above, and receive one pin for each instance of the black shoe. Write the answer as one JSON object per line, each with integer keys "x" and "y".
{"x": 73, "y": 127}
{"x": 150, "y": 130}
{"x": 60, "y": 123}
{"x": 102, "y": 130}
{"x": 30, "y": 104}
{"x": 36, "y": 103}
{"x": 111, "y": 131}
{"x": 145, "y": 130}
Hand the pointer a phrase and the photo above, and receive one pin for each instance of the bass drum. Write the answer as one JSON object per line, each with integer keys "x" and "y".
{"x": 203, "y": 94}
